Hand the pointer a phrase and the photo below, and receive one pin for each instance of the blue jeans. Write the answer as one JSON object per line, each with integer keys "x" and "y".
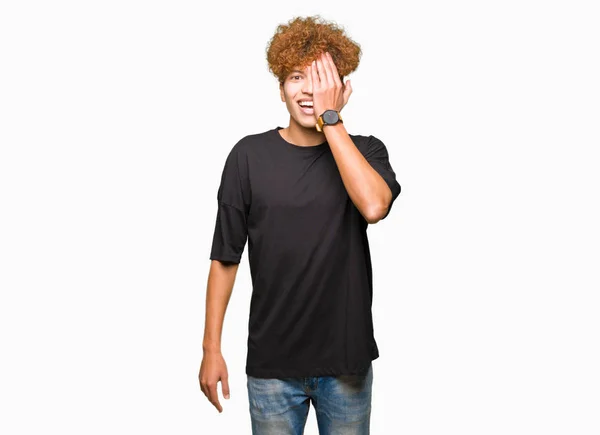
{"x": 279, "y": 406}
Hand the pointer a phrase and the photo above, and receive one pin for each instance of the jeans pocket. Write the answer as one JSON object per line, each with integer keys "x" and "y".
{"x": 269, "y": 396}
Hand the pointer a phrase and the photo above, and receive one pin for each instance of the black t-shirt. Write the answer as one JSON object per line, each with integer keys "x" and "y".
{"x": 310, "y": 310}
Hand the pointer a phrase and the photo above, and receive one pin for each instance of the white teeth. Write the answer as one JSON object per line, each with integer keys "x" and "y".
{"x": 306, "y": 103}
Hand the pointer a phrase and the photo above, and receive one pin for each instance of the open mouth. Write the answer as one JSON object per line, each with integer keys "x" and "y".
{"x": 306, "y": 107}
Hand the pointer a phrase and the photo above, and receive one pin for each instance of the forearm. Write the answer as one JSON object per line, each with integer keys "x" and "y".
{"x": 367, "y": 189}
{"x": 221, "y": 278}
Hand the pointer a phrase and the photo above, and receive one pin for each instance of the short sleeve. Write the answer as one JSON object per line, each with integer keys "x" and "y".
{"x": 231, "y": 228}
{"x": 377, "y": 155}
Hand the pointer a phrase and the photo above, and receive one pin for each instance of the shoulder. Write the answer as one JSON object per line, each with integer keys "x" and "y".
{"x": 245, "y": 150}
{"x": 366, "y": 142}
{"x": 250, "y": 143}
{"x": 254, "y": 139}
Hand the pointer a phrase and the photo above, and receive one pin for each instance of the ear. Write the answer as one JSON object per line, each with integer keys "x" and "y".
{"x": 281, "y": 92}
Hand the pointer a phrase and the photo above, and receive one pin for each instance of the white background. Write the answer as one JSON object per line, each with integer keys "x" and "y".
{"x": 115, "y": 121}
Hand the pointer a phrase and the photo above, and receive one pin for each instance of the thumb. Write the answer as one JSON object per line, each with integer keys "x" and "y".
{"x": 225, "y": 387}
{"x": 347, "y": 90}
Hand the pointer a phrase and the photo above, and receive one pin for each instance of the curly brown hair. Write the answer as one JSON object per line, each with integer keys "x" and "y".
{"x": 302, "y": 40}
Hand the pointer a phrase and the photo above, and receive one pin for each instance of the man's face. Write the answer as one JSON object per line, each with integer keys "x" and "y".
{"x": 297, "y": 87}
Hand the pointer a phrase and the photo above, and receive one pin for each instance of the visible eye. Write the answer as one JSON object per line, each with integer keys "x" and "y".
{"x": 293, "y": 77}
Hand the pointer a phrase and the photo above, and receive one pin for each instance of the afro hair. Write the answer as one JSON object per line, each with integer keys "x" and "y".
{"x": 302, "y": 40}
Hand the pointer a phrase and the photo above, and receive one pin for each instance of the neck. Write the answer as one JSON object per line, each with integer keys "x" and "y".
{"x": 302, "y": 136}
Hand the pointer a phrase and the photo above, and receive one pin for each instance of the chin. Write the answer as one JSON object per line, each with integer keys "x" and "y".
{"x": 306, "y": 123}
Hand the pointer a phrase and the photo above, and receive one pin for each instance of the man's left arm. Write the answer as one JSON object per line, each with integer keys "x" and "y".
{"x": 371, "y": 193}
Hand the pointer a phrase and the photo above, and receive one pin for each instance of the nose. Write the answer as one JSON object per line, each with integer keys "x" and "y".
{"x": 307, "y": 86}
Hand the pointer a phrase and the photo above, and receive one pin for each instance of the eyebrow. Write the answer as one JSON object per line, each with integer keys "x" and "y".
{"x": 297, "y": 71}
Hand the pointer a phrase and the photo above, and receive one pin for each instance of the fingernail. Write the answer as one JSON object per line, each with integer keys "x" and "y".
{"x": 227, "y": 396}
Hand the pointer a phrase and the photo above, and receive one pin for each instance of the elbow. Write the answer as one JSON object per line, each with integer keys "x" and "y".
{"x": 375, "y": 213}
{"x": 378, "y": 209}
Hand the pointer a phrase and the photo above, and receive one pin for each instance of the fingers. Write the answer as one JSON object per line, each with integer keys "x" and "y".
{"x": 201, "y": 382}
{"x": 314, "y": 75}
{"x": 225, "y": 387}
{"x": 209, "y": 388}
{"x": 335, "y": 77}
{"x": 213, "y": 396}
{"x": 325, "y": 71}
{"x": 322, "y": 74}
{"x": 316, "y": 86}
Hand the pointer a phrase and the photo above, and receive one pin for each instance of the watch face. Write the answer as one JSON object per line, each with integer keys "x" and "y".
{"x": 330, "y": 117}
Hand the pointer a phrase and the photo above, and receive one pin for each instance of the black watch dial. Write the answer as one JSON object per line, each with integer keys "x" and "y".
{"x": 330, "y": 117}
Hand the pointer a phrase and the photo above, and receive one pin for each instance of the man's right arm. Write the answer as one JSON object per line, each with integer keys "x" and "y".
{"x": 221, "y": 278}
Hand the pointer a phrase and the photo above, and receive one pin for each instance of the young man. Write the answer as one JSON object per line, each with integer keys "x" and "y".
{"x": 302, "y": 196}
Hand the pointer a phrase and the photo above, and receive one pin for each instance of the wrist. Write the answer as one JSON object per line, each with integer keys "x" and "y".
{"x": 211, "y": 348}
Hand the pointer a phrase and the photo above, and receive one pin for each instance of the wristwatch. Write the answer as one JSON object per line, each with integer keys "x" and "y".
{"x": 329, "y": 117}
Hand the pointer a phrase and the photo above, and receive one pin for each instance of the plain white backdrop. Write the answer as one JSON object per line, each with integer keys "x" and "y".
{"x": 115, "y": 121}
